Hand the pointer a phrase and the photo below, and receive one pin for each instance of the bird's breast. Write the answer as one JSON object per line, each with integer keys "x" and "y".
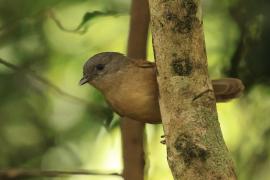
{"x": 136, "y": 97}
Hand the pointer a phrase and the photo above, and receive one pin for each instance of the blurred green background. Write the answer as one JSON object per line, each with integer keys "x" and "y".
{"x": 43, "y": 128}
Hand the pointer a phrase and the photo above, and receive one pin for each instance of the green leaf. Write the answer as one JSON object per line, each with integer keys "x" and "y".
{"x": 88, "y": 16}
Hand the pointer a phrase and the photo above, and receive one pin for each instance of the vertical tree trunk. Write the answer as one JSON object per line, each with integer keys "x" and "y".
{"x": 195, "y": 146}
{"x": 133, "y": 131}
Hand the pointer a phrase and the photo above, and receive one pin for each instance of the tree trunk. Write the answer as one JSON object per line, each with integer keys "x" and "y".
{"x": 195, "y": 146}
{"x": 133, "y": 131}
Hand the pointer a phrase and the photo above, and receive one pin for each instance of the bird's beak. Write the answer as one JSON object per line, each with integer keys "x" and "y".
{"x": 83, "y": 81}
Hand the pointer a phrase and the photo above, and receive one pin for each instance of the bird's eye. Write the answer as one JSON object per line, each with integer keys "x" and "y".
{"x": 100, "y": 67}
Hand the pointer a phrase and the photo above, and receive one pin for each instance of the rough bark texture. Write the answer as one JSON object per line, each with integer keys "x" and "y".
{"x": 195, "y": 146}
{"x": 133, "y": 131}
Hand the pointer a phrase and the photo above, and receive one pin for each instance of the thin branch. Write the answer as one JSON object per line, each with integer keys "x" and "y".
{"x": 238, "y": 55}
{"x": 19, "y": 173}
{"x": 46, "y": 82}
{"x": 58, "y": 23}
{"x": 11, "y": 25}
{"x": 87, "y": 17}
{"x": 133, "y": 132}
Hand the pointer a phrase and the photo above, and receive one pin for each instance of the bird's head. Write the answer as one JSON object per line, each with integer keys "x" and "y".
{"x": 101, "y": 66}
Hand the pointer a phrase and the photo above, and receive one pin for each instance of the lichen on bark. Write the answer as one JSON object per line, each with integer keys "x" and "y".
{"x": 195, "y": 146}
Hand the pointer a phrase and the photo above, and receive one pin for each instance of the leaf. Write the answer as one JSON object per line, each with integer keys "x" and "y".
{"x": 88, "y": 16}
{"x": 91, "y": 15}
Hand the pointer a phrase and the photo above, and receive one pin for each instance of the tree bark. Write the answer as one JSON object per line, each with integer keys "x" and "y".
{"x": 195, "y": 146}
{"x": 133, "y": 131}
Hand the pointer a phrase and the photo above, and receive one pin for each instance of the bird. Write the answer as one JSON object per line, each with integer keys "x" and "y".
{"x": 130, "y": 86}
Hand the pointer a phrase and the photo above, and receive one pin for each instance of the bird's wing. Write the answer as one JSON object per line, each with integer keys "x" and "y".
{"x": 142, "y": 63}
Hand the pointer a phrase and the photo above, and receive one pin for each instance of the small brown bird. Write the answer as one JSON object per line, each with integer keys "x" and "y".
{"x": 131, "y": 89}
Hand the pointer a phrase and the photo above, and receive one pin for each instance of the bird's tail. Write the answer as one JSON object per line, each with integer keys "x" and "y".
{"x": 227, "y": 89}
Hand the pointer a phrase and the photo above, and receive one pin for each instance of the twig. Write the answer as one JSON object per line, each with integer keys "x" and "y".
{"x": 58, "y": 23}
{"x": 87, "y": 17}
{"x": 19, "y": 173}
{"x": 201, "y": 94}
{"x": 238, "y": 56}
{"x": 35, "y": 15}
{"x": 46, "y": 82}
{"x": 133, "y": 132}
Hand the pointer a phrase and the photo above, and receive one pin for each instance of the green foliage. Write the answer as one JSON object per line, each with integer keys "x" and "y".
{"x": 55, "y": 124}
{"x": 88, "y": 16}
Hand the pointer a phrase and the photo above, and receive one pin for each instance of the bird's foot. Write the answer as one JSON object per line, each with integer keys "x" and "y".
{"x": 163, "y": 141}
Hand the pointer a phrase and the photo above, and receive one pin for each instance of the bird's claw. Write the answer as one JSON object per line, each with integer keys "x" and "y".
{"x": 163, "y": 141}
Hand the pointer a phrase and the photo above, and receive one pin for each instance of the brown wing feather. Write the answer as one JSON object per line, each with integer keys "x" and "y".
{"x": 143, "y": 63}
{"x": 227, "y": 89}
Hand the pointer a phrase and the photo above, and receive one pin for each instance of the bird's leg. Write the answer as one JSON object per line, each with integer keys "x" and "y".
{"x": 163, "y": 139}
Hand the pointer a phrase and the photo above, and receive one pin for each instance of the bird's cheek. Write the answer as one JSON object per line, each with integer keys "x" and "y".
{"x": 92, "y": 81}
{"x": 92, "y": 77}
